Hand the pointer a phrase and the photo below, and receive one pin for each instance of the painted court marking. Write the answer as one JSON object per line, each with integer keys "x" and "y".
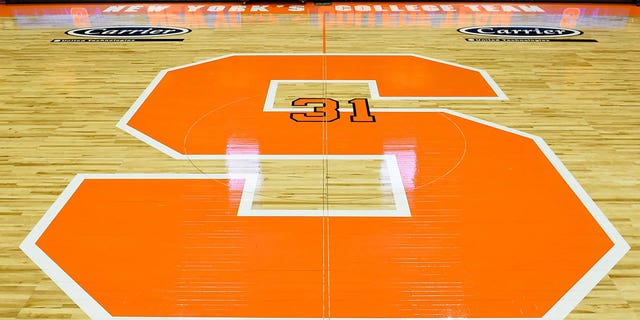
{"x": 95, "y": 311}
{"x": 559, "y": 310}
{"x": 393, "y": 171}
{"x": 272, "y": 90}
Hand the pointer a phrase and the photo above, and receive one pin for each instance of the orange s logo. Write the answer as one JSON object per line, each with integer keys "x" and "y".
{"x": 472, "y": 229}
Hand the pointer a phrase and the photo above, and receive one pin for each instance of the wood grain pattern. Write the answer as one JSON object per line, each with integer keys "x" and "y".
{"x": 59, "y": 104}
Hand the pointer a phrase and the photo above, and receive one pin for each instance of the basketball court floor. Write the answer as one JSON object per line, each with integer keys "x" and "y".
{"x": 322, "y": 160}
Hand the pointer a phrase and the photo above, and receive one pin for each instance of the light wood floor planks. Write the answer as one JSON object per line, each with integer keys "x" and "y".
{"x": 59, "y": 104}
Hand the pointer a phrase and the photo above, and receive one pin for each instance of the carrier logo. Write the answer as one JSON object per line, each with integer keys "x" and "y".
{"x": 520, "y": 32}
{"x": 127, "y": 32}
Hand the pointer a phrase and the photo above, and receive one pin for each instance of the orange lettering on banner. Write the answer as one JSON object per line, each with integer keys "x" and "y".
{"x": 570, "y": 17}
{"x": 80, "y": 17}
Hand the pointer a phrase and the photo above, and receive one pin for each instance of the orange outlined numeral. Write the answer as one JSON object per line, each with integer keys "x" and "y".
{"x": 361, "y": 111}
{"x": 326, "y": 113}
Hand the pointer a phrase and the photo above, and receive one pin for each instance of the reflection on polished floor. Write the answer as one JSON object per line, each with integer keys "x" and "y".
{"x": 347, "y": 160}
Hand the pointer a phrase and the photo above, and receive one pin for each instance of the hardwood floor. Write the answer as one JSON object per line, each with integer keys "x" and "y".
{"x": 60, "y": 103}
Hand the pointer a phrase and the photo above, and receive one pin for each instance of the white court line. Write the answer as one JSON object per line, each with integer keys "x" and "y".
{"x": 397, "y": 187}
{"x": 374, "y": 93}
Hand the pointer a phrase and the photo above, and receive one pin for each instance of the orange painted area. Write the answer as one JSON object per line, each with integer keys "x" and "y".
{"x": 500, "y": 235}
{"x": 495, "y": 231}
{"x": 224, "y": 98}
{"x": 176, "y": 248}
